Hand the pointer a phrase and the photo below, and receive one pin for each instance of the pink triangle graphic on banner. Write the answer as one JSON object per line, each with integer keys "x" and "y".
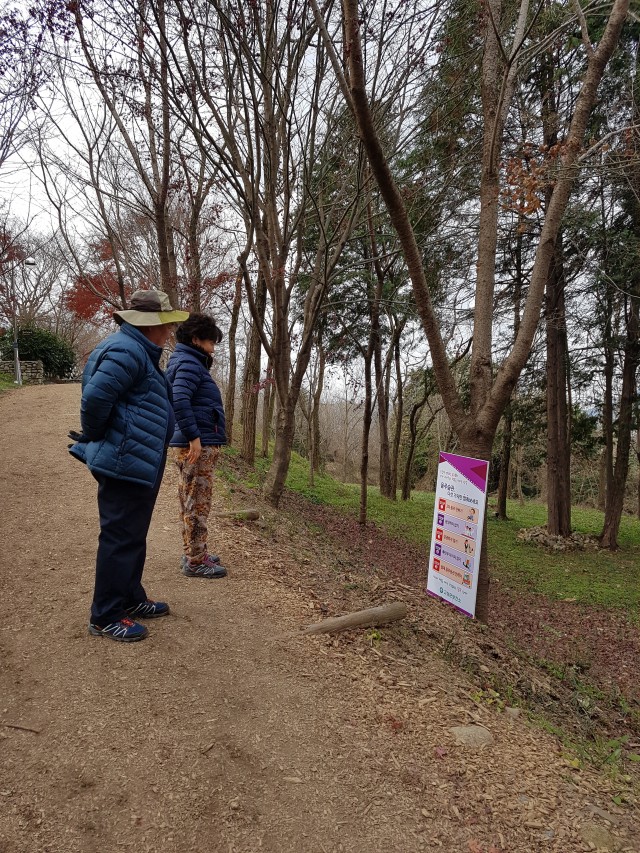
{"x": 475, "y": 470}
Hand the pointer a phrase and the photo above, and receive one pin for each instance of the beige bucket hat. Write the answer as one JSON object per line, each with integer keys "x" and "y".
{"x": 149, "y": 308}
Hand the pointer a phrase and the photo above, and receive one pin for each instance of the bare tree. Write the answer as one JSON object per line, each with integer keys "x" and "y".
{"x": 132, "y": 78}
{"x": 268, "y": 135}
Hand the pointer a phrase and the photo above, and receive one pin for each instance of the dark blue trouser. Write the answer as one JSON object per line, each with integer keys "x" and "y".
{"x": 125, "y": 515}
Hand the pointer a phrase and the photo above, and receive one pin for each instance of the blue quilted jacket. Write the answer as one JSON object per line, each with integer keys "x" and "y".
{"x": 197, "y": 401}
{"x": 126, "y": 412}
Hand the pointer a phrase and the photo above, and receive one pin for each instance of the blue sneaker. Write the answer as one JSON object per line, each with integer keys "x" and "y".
{"x": 209, "y": 568}
{"x": 148, "y": 609}
{"x": 124, "y": 631}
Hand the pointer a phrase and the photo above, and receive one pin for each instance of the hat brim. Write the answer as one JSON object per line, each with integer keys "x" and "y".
{"x": 150, "y": 318}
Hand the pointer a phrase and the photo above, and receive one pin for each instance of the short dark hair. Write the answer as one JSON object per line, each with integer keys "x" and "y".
{"x": 198, "y": 326}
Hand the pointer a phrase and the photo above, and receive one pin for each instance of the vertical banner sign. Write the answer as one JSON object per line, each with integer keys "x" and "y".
{"x": 458, "y": 520}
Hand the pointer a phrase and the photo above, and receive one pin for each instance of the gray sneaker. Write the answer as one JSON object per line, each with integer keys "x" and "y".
{"x": 209, "y": 568}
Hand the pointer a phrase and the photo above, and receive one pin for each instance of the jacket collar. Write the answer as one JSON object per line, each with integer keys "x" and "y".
{"x": 202, "y": 356}
{"x": 132, "y": 332}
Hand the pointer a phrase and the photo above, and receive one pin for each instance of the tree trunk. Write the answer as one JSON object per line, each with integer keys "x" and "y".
{"x": 252, "y": 378}
{"x": 504, "y": 483}
{"x": 194, "y": 270}
{"x": 615, "y": 495}
{"x": 311, "y": 448}
{"x": 277, "y": 473}
{"x": 366, "y": 429}
{"x": 519, "y": 466}
{"x": 638, "y": 462}
{"x": 399, "y": 415}
{"x": 382, "y": 395}
{"x": 558, "y": 436}
{"x": 268, "y": 400}
{"x": 375, "y": 340}
{"x": 628, "y": 395}
{"x": 316, "y": 456}
{"x": 230, "y": 397}
{"x": 480, "y": 448}
{"x": 558, "y": 444}
{"x": 505, "y": 465}
{"x": 414, "y": 417}
{"x": 345, "y": 435}
{"x": 602, "y": 480}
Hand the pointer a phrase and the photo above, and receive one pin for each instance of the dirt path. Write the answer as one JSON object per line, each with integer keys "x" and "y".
{"x": 226, "y": 730}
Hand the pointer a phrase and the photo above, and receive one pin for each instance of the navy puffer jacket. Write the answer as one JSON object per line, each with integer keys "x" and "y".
{"x": 126, "y": 412}
{"x": 197, "y": 401}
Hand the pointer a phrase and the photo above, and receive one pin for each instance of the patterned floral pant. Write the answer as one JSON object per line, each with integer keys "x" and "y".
{"x": 195, "y": 481}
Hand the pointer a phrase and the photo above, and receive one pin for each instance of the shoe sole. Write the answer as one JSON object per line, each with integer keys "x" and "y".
{"x": 96, "y": 633}
{"x": 204, "y": 577}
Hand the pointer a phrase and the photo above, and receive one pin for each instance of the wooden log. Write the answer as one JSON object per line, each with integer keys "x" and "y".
{"x": 240, "y": 514}
{"x": 360, "y": 619}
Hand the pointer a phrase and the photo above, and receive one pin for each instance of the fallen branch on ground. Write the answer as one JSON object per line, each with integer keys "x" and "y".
{"x": 360, "y": 619}
{"x": 21, "y": 728}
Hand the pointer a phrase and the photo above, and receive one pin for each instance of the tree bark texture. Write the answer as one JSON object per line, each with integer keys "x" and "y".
{"x": 366, "y": 429}
{"x": 615, "y": 495}
{"x": 268, "y": 401}
{"x": 251, "y": 379}
{"x": 628, "y": 396}
{"x": 381, "y": 615}
{"x": 399, "y": 418}
{"x": 277, "y": 473}
{"x": 230, "y": 396}
{"x": 505, "y": 464}
{"x": 558, "y": 444}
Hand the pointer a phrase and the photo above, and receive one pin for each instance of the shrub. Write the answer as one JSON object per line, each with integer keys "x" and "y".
{"x": 34, "y": 344}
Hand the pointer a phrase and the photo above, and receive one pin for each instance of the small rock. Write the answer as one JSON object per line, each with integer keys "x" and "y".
{"x": 512, "y": 713}
{"x": 600, "y": 837}
{"x": 473, "y": 736}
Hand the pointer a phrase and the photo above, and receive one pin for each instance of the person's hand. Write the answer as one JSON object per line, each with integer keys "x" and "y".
{"x": 195, "y": 449}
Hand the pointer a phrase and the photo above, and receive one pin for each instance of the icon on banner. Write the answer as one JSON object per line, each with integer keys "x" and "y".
{"x": 442, "y": 504}
{"x": 438, "y": 534}
{"x": 438, "y": 550}
{"x": 440, "y": 518}
{"x": 436, "y": 565}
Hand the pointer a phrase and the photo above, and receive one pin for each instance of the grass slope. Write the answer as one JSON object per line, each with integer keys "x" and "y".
{"x": 594, "y": 577}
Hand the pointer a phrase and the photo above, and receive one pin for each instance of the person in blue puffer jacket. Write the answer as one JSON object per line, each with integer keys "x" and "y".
{"x": 199, "y": 434}
{"x": 127, "y": 420}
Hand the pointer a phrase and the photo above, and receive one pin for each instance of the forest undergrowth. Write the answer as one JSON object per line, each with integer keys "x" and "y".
{"x": 563, "y": 642}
